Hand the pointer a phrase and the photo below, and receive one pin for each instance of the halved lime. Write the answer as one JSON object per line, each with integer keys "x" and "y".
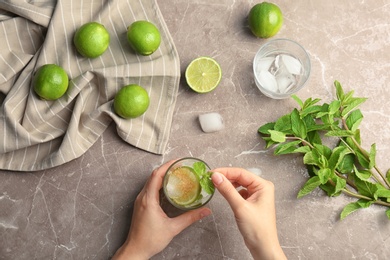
{"x": 183, "y": 186}
{"x": 203, "y": 74}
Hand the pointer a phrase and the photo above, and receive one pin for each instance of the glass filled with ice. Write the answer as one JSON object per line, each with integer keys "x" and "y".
{"x": 281, "y": 68}
{"x": 187, "y": 183}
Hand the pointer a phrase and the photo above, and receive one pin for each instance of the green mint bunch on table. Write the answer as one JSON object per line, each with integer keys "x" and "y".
{"x": 342, "y": 167}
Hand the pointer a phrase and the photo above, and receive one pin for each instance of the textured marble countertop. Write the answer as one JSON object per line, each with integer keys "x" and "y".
{"x": 81, "y": 210}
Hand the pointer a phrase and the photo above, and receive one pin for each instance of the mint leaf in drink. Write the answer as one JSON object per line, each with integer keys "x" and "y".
{"x": 204, "y": 177}
{"x": 207, "y": 184}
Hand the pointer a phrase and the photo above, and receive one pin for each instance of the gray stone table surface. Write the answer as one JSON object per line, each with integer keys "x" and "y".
{"x": 82, "y": 210}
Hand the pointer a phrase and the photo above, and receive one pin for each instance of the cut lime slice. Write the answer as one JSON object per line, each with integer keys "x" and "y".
{"x": 183, "y": 186}
{"x": 203, "y": 74}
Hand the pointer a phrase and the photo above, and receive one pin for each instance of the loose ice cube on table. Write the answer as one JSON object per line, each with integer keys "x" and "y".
{"x": 267, "y": 81}
{"x": 211, "y": 122}
{"x": 292, "y": 64}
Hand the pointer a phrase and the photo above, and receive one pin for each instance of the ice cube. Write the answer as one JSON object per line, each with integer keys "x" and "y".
{"x": 211, "y": 122}
{"x": 172, "y": 187}
{"x": 264, "y": 63}
{"x": 285, "y": 82}
{"x": 292, "y": 64}
{"x": 267, "y": 81}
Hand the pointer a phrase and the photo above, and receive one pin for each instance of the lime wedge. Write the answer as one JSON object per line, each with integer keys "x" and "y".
{"x": 203, "y": 74}
{"x": 183, "y": 186}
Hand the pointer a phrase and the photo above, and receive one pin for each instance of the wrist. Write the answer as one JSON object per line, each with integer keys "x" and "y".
{"x": 269, "y": 252}
{"x": 130, "y": 251}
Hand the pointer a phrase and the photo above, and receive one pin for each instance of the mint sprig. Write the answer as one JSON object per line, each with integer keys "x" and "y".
{"x": 204, "y": 177}
{"x": 344, "y": 167}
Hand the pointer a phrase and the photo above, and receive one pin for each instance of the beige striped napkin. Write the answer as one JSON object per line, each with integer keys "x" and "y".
{"x": 37, "y": 134}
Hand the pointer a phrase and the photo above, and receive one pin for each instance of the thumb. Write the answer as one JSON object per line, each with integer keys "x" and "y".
{"x": 227, "y": 190}
{"x": 186, "y": 219}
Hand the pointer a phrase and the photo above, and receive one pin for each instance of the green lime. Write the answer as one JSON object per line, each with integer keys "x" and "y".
{"x": 143, "y": 37}
{"x": 91, "y": 40}
{"x": 203, "y": 74}
{"x": 50, "y": 82}
{"x": 265, "y": 19}
{"x": 131, "y": 101}
{"x": 183, "y": 186}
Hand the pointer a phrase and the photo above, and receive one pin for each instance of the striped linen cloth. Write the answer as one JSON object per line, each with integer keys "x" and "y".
{"x": 37, "y": 134}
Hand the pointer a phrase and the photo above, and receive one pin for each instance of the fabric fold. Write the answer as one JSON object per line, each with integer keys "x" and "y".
{"x": 37, "y": 134}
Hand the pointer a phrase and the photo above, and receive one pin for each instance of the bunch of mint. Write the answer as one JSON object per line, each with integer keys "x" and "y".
{"x": 344, "y": 167}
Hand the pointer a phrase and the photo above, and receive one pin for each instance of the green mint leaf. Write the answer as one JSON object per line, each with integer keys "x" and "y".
{"x": 362, "y": 159}
{"x": 302, "y": 149}
{"x": 337, "y": 156}
{"x": 264, "y": 128}
{"x": 323, "y": 150}
{"x": 382, "y": 192}
{"x": 340, "y": 184}
{"x": 340, "y": 133}
{"x": 324, "y": 111}
{"x": 372, "y": 156}
{"x": 297, "y": 125}
{"x": 310, "y": 102}
{"x": 354, "y": 104}
{"x": 309, "y": 186}
{"x": 334, "y": 107}
{"x": 309, "y": 159}
{"x": 199, "y": 168}
{"x": 324, "y": 175}
{"x": 365, "y": 187}
{"x": 354, "y": 119}
{"x": 314, "y": 137}
{"x": 277, "y": 136}
{"x": 207, "y": 184}
{"x": 339, "y": 90}
{"x": 311, "y": 110}
{"x": 298, "y": 100}
{"x": 287, "y": 148}
{"x": 283, "y": 124}
{"x": 347, "y": 164}
{"x": 268, "y": 142}
{"x": 363, "y": 175}
{"x": 204, "y": 177}
{"x": 352, "y": 207}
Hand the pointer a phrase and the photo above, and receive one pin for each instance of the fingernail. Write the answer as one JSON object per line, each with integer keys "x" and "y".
{"x": 216, "y": 177}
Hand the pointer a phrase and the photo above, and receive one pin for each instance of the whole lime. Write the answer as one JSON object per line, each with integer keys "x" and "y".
{"x": 91, "y": 40}
{"x": 50, "y": 82}
{"x": 265, "y": 19}
{"x": 131, "y": 101}
{"x": 143, "y": 37}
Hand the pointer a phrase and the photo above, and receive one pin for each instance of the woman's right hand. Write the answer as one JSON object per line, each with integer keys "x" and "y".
{"x": 254, "y": 209}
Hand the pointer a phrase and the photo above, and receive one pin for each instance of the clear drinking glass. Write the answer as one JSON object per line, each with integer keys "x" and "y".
{"x": 281, "y": 68}
{"x": 187, "y": 183}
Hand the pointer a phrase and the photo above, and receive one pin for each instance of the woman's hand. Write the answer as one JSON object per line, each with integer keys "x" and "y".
{"x": 151, "y": 229}
{"x": 254, "y": 210}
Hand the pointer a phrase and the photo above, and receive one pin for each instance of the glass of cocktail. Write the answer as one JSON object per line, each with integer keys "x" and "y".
{"x": 187, "y": 183}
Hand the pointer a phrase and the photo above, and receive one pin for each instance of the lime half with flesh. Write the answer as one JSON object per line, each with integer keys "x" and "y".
{"x": 183, "y": 186}
{"x": 203, "y": 74}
